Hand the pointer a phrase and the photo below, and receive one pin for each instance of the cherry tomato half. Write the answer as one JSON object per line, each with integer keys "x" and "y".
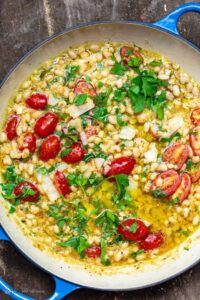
{"x": 195, "y": 140}
{"x": 93, "y": 251}
{"x": 46, "y": 124}
{"x": 195, "y": 116}
{"x": 121, "y": 165}
{"x": 49, "y": 148}
{"x": 24, "y": 189}
{"x": 75, "y": 155}
{"x": 11, "y": 126}
{"x": 133, "y": 229}
{"x": 184, "y": 188}
{"x": 37, "y": 101}
{"x": 166, "y": 182}
{"x": 152, "y": 241}
{"x": 29, "y": 142}
{"x": 176, "y": 154}
{"x": 82, "y": 87}
{"x": 61, "y": 183}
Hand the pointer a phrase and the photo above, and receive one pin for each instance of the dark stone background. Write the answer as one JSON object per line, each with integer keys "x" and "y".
{"x": 23, "y": 24}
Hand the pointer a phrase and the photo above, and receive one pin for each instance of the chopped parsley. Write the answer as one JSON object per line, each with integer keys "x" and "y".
{"x": 80, "y": 99}
{"x": 158, "y": 194}
{"x": 70, "y": 72}
{"x": 175, "y": 136}
{"x": 79, "y": 243}
{"x": 100, "y": 114}
{"x": 155, "y": 63}
{"x": 118, "y": 69}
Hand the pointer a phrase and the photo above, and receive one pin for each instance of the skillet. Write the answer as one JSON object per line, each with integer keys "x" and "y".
{"x": 162, "y": 37}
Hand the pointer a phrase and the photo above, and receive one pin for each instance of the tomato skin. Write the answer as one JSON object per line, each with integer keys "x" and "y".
{"x": 27, "y": 184}
{"x": 170, "y": 182}
{"x": 49, "y": 148}
{"x": 176, "y": 154}
{"x": 184, "y": 188}
{"x": 76, "y": 154}
{"x": 121, "y": 165}
{"x": 29, "y": 142}
{"x": 195, "y": 116}
{"x": 61, "y": 183}
{"x": 152, "y": 241}
{"x": 93, "y": 251}
{"x": 89, "y": 131}
{"x": 195, "y": 140}
{"x": 141, "y": 231}
{"x": 11, "y": 127}
{"x": 46, "y": 124}
{"x": 37, "y": 101}
{"x": 82, "y": 87}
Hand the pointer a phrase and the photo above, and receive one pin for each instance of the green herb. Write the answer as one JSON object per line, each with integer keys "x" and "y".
{"x": 70, "y": 73}
{"x": 43, "y": 170}
{"x": 55, "y": 80}
{"x": 89, "y": 156}
{"x": 134, "y": 62}
{"x": 84, "y": 118}
{"x": 155, "y": 63}
{"x": 80, "y": 99}
{"x": 108, "y": 222}
{"x": 133, "y": 228}
{"x": 175, "y": 136}
{"x": 101, "y": 114}
{"x": 119, "y": 118}
{"x": 87, "y": 79}
{"x": 119, "y": 95}
{"x": 186, "y": 248}
{"x": 192, "y": 132}
{"x": 101, "y": 155}
{"x": 118, "y": 69}
{"x": 55, "y": 108}
{"x": 190, "y": 165}
{"x": 136, "y": 253}
{"x": 79, "y": 243}
{"x": 13, "y": 206}
{"x": 158, "y": 194}
{"x": 65, "y": 152}
{"x": 175, "y": 201}
{"x": 104, "y": 261}
{"x": 100, "y": 84}
{"x": 145, "y": 171}
{"x": 102, "y": 98}
{"x": 43, "y": 73}
{"x": 184, "y": 232}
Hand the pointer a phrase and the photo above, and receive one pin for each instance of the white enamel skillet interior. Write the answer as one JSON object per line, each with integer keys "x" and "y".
{"x": 147, "y": 37}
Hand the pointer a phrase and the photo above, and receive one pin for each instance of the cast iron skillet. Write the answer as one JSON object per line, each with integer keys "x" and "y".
{"x": 161, "y": 36}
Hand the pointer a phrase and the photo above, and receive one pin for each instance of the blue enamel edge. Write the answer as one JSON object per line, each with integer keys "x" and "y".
{"x": 62, "y": 287}
{"x": 170, "y": 22}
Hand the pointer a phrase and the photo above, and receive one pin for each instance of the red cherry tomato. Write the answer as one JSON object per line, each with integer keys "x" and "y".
{"x": 75, "y": 155}
{"x": 133, "y": 229}
{"x": 176, "y": 154}
{"x": 195, "y": 175}
{"x": 37, "y": 101}
{"x": 166, "y": 182}
{"x": 152, "y": 241}
{"x": 11, "y": 127}
{"x": 195, "y": 140}
{"x": 49, "y": 148}
{"x": 46, "y": 124}
{"x": 93, "y": 251}
{"x": 184, "y": 188}
{"x": 195, "y": 116}
{"x": 23, "y": 190}
{"x": 89, "y": 131}
{"x": 121, "y": 165}
{"x": 29, "y": 142}
{"x": 61, "y": 183}
{"x": 82, "y": 87}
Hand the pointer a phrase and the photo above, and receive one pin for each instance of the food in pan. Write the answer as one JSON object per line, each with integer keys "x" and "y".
{"x": 100, "y": 155}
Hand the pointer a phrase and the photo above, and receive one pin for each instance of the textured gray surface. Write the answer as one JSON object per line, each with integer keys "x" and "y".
{"x": 24, "y": 23}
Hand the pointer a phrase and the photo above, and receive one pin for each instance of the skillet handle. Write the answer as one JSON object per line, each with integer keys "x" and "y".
{"x": 63, "y": 288}
{"x": 170, "y": 21}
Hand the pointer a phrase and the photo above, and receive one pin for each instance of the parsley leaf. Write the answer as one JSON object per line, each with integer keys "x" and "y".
{"x": 158, "y": 194}
{"x": 175, "y": 201}
{"x": 134, "y": 62}
{"x": 102, "y": 98}
{"x": 79, "y": 243}
{"x": 155, "y": 63}
{"x": 118, "y": 69}
{"x": 80, "y": 99}
{"x": 119, "y": 95}
{"x": 70, "y": 72}
{"x": 104, "y": 261}
{"x": 174, "y": 136}
{"x": 133, "y": 228}
{"x": 101, "y": 114}
{"x": 136, "y": 253}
